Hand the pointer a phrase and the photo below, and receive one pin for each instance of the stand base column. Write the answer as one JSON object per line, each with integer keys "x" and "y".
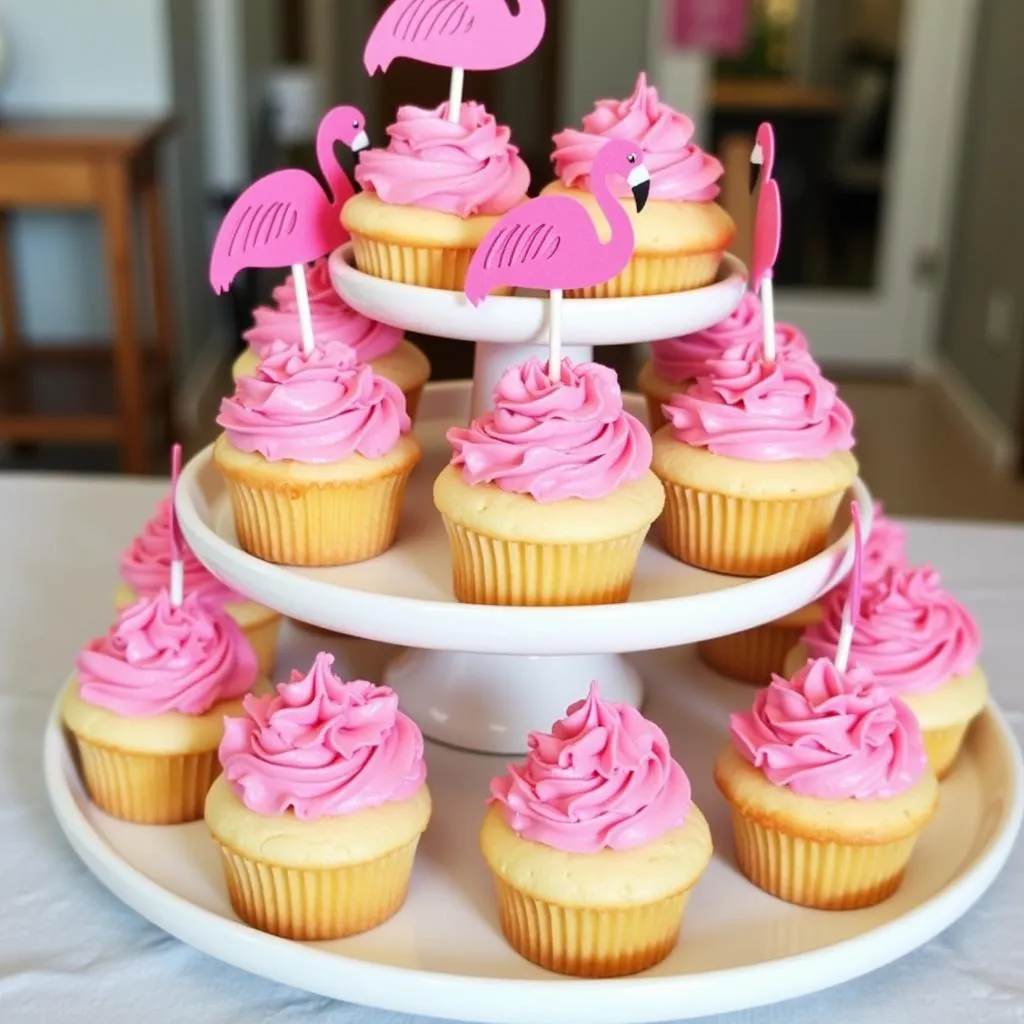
{"x": 487, "y": 703}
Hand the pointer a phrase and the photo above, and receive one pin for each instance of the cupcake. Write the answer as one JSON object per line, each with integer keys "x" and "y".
{"x": 549, "y": 496}
{"x": 921, "y": 645}
{"x": 683, "y": 233}
{"x": 755, "y": 655}
{"x": 382, "y": 346}
{"x": 721, "y": 350}
{"x": 829, "y": 788}
{"x": 321, "y": 806}
{"x": 595, "y": 844}
{"x": 754, "y": 466}
{"x": 316, "y": 452}
{"x": 432, "y": 195}
{"x": 145, "y": 568}
{"x": 146, "y": 707}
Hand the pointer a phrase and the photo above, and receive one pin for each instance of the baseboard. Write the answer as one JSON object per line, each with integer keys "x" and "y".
{"x": 200, "y": 378}
{"x": 992, "y": 436}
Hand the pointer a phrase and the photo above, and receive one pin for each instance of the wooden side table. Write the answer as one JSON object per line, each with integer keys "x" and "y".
{"x": 68, "y": 393}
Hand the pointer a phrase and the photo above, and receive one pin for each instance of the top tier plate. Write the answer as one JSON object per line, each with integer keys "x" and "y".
{"x": 523, "y": 319}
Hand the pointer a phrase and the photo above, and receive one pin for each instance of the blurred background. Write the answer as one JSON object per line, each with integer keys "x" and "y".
{"x": 901, "y": 152}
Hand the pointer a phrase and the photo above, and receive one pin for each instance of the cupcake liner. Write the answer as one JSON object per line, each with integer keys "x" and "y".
{"x": 942, "y": 747}
{"x": 656, "y": 275}
{"x": 486, "y": 570}
{"x": 823, "y": 875}
{"x": 743, "y": 536}
{"x": 424, "y": 266}
{"x": 315, "y": 904}
{"x": 262, "y": 637}
{"x": 605, "y": 942}
{"x": 753, "y": 655}
{"x": 315, "y": 525}
{"x": 148, "y": 789}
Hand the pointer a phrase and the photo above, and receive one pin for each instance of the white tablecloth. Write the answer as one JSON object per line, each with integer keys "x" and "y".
{"x": 69, "y": 952}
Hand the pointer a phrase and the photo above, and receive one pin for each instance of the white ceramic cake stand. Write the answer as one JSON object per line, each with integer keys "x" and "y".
{"x": 481, "y": 677}
{"x": 509, "y": 329}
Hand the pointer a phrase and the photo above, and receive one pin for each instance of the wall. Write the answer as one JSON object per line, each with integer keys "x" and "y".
{"x": 989, "y": 237}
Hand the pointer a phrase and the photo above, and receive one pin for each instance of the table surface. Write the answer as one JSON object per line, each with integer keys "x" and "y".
{"x": 70, "y": 952}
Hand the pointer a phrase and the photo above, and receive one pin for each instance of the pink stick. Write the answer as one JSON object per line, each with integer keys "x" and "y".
{"x": 177, "y": 583}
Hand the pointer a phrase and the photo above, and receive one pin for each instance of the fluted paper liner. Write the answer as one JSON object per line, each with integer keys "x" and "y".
{"x": 753, "y": 655}
{"x": 316, "y": 904}
{"x": 486, "y": 570}
{"x": 942, "y": 747}
{"x": 590, "y": 942}
{"x": 741, "y": 536}
{"x": 662, "y": 274}
{"x": 147, "y": 789}
{"x": 812, "y": 873}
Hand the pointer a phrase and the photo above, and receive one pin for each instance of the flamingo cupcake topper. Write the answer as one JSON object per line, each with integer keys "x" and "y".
{"x": 852, "y": 608}
{"x": 287, "y": 219}
{"x": 767, "y": 232}
{"x": 551, "y": 244}
{"x": 464, "y": 35}
{"x": 177, "y": 583}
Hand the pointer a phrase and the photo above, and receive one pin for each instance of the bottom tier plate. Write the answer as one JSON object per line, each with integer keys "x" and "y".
{"x": 443, "y": 954}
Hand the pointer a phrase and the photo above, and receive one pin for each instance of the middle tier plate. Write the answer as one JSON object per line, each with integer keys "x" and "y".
{"x": 405, "y": 596}
{"x": 523, "y": 319}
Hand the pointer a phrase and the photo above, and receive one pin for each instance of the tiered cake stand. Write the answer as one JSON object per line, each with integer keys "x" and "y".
{"x": 477, "y": 679}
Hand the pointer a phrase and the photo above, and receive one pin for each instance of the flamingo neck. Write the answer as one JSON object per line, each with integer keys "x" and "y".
{"x": 334, "y": 174}
{"x": 618, "y": 219}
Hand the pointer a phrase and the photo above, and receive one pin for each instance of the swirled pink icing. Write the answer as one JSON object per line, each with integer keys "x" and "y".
{"x": 157, "y": 658}
{"x": 465, "y": 169}
{"x": 680, "y": 170}
{"x": 910, "y": 633}
{"x": 831, "y": 735}
{"x": 787, "y": 410}
{"x": 724, "y": 349}
{"x": 146, "y": 563}
{"x": 884, "y": 549}
{"x": 603, "y": 778}
{"x": 322, "y": 747}
{"x": 314, "y": 409}
{"x": 333, "y": 319}
{"x": 570, "y": 439}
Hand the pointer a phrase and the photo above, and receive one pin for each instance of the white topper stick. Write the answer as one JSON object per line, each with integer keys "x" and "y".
{"x": 177, "y": 583}
{"x": 455, "y": 95}
{"x": 852, "y": 607}
{"x": 555, "y": 336}
{"x": 768, "y": 316}
{"x": 305, "y": 315}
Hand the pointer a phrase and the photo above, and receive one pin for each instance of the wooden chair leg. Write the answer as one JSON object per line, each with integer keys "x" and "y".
{"x": 117, "y": 223}
{"x": 8, "y": 298}
{"x": 163, "y": 317}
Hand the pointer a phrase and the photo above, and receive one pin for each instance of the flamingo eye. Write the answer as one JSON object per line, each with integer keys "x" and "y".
{"x": 355, "y": 124}
{"x": 632, "y": 158}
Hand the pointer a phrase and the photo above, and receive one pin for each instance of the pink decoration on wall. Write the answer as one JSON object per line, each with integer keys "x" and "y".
{"x": 718, "y": 27}
{"x": 551, "y": 243}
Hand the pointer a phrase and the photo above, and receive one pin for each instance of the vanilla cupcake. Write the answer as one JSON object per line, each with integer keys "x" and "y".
{"x": 549, "y": 496}
{"x": 146, "y": 707}
{"x": 829, "y": 788}
{"x": 720, "y": 351}
{"x": 432, "y": 195}
{"x": 755, "y": 466}
{"x": 384, "y": 347}
{"x": 683, "y": 233}
{"x": 921, "y": 645}
{"x": 755, "y": 655}
{"x": 316, "y": 452}
{"x": 321, "y": 806}
{"x": 145, "y": 568}
{"x": 595, "y": 844}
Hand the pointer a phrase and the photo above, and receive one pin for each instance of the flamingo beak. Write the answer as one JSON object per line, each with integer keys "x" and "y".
{"x": 360, "y": 142}
{"x": 756, "y": 163}
{"x": 640, "y": 182}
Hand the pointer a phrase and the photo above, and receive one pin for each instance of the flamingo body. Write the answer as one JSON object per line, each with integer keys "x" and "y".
{"x": 475, "y": 35}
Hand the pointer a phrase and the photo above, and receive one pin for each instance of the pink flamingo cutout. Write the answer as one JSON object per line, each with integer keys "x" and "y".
{"x": 286, "y": 218}
{"x": 767, "y": 233}
{"x": 464, "y": 35}
{"x": 177, "y": 587}
{"x": 551, "y": 243}
{"x": 852, "y": 607}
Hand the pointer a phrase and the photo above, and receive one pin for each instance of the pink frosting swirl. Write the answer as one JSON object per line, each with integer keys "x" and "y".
{"x": 465, "y": 169}
{"x": 680, "y": 170}
{"x": 333, "y": 319}
{"x": 831, "y": 735}
{"x": 724, "y": 349}
{"x": 316, "y": 409}
{"x": 910, "y": 633}
{"x": 322, "y": 748}
{"x": 602, "y": 778}
{"x": 146, "y": 563}
{"x": 884, "y": 549}
{"x": 570, "y": 439}
{"x": 767, "y": 414}
{"x": 157, "y": 658}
